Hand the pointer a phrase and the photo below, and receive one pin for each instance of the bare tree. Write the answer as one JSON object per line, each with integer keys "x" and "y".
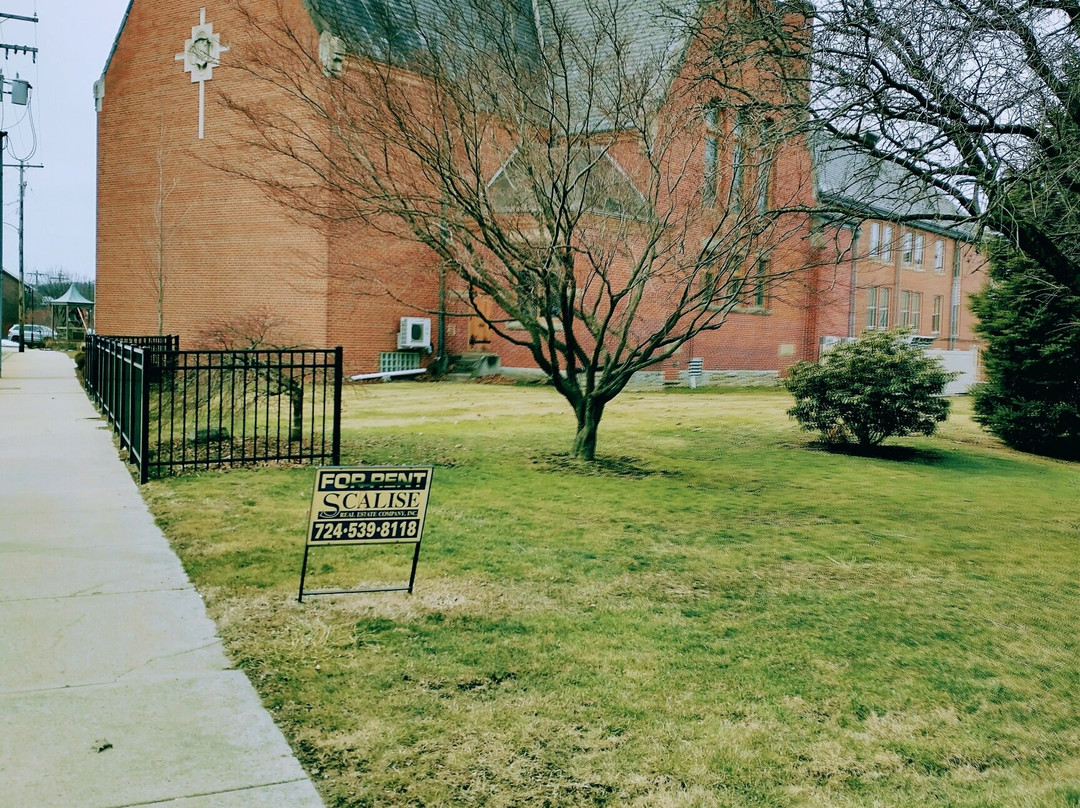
{"x": 165, "y": 225}
{"x": 568, "y": 166}
{"x": 976, "y": 98}
{"x": 257, "y": 329}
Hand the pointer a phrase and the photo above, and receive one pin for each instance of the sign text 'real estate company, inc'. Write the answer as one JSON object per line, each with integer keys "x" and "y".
{"x": 368, "y": 505}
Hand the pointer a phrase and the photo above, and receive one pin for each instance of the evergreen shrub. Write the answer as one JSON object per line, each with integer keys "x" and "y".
{"x": 875, "y": 388}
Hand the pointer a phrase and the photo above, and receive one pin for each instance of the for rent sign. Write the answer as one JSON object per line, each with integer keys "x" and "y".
{"x": 375, "y": 505}
{"x": 367, "y": 505}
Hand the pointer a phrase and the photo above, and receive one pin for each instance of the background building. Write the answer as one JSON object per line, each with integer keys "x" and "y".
{"x": 185, "y": 246}
{"x": 911, "y": 263}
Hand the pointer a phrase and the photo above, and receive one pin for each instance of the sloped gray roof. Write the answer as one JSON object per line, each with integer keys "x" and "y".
{"x": 400, "y": 29}
{"x": 635, "y": 48}
{"x": 849, "y": 177}
{"x": 639, "y": 42}
{"x": 377, "y": 27}
{"x": 73, "y": 297}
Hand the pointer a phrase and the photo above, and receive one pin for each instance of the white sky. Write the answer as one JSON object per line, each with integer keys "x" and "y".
{"x": 73, "y": 38}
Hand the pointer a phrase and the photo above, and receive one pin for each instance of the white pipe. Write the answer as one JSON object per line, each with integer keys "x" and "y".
{"x": 387, "y": 375}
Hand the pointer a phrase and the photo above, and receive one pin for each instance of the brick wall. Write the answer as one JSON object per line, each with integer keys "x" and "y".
{"x": 228, "y": 252}
{"x": 375, "y": 280}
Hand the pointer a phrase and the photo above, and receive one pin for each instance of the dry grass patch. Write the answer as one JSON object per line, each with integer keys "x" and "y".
{"x": 719, "y": 614}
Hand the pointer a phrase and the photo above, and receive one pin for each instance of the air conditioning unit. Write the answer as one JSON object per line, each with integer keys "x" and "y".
{"x": 919, "y": 341}
{"x": 828, "y": 343}
{"x": 415, "y": 332}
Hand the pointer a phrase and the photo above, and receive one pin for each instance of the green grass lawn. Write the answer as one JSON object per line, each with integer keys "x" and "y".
{"x": 716, "y": 614}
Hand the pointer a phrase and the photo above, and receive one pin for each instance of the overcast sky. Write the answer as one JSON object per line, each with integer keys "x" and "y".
{"x": 73, "y": 38}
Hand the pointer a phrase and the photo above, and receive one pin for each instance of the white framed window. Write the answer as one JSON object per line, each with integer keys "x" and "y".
{"x": 875, "y": 240}
{"x": 914, "y": 309}
{"x": 712, "y": 155}
{"x": 920, "y": 251}
{"x": 738, "y": 164}
{"x": 910, "y": 309}
{"x": 886, "y": 244}
{"x": 766, "y": 153}
{"x": 877, "y": 307}
{"x": 939, "y": 256}
{"x": 908, "y": 248}
{"x": 935, "y": 318}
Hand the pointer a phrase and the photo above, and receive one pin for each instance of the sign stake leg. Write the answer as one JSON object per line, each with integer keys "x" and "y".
{"x": 303, "y": 574}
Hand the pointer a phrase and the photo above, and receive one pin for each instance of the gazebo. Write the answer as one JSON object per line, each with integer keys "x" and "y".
{"x": 72, "y": 315}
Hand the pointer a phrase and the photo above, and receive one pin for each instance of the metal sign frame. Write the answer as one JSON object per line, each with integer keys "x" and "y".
{"x": 367, "y": 505}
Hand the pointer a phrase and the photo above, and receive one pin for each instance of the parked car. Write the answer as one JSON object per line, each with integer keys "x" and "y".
{"x": 33, "y": 334}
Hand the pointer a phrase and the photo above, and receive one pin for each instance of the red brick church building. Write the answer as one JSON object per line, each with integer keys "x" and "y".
{"x": 187, "y": 246}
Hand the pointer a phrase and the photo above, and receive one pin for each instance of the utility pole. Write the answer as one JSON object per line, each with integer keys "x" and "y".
{"x": 22, "y": 164}
{"x": 20, "y": 95}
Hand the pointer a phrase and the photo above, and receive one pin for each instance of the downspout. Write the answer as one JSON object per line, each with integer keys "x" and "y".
{"x": 954, "y": 298}
{"x": 441, "y": 363}
{"x": 811, "y": 349}
{"x": 894, "y": 304}
{"x": 440, "y": 358}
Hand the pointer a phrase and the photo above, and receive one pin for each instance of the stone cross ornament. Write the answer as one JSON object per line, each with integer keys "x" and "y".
{"x": 201, "y": 54}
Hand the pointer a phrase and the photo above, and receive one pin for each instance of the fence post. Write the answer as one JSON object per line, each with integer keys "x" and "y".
{"x": 116, "y": 383}
{"x": 125, "y": 399}
{"x": 88, "y": 365}
{"x": 149, "y": 360}
{"x": 337, "y": 406}
{"x": 96, "y": 353}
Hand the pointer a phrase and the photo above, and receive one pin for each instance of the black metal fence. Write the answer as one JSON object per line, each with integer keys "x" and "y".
{"x": 182, "y": 410}
{"x": 114, "y": 373}
{"x": 162, "y": 346}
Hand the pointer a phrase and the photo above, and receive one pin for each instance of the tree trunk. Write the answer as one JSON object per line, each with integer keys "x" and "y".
{"x": 589, "y": 413}
{"x": 296, "y": 433}
{"x": 296, "y": 400}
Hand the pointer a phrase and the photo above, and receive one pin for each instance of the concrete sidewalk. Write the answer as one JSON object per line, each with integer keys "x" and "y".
{"x": 114, "y": 690}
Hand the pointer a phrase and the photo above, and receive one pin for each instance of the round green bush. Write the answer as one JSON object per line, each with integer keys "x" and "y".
{"x": 872, "y": 389}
